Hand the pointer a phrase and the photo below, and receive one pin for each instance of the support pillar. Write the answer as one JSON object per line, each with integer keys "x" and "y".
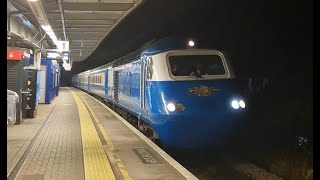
{"x": 37, "y": 59}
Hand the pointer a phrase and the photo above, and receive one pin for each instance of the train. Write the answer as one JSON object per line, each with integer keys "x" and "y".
{"x": 180, "y": 90}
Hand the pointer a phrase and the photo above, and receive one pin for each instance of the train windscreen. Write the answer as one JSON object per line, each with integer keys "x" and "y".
{"x": 196, "y": 65}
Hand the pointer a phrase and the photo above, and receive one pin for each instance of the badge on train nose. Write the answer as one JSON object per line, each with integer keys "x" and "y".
{"x": 203, "y": 91}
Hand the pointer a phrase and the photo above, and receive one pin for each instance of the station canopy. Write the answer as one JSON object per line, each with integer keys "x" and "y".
{"x": 84, "y": 23}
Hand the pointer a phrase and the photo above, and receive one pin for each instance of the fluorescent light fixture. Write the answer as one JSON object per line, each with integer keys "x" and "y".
{"x": 52, "y": 55}
{"x": 46, "y": 27}
{"x": 51, "y": 34}
{"x": 32, "y": 0}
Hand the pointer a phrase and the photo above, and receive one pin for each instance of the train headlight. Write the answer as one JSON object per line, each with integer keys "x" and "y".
{"x": 191, "y": 43}
{"x": 235, "y": 104}
{"x": 171, "y": 107}
{"x": 180, "y": 107}
{"x": 242, "y": 104}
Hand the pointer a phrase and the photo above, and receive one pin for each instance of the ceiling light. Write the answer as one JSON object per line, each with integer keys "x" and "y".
{"x": 32, "y": 0}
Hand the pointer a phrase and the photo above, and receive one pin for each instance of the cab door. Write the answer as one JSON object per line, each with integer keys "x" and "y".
{"x": 143, "y": 81}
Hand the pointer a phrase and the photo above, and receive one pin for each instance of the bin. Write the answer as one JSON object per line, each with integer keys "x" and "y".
{"x": 12, "y": 101}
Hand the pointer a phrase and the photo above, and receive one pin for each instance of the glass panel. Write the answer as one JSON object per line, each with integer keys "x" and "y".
{"x": 188, "y": 65}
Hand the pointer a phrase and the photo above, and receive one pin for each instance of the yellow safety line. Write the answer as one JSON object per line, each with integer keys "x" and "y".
{"x": 120, "y": 164}
{"x": 96, "y": 162}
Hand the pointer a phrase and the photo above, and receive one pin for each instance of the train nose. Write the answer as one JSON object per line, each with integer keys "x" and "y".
{"x": 199, "y": 130}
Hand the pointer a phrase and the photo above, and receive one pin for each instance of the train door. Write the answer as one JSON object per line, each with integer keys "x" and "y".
{"x": 116, "y": 86}
{"x": 142, "y": 82}
{"x": 89, "y": 82}
{"x": 105, "y": 83}
{"x": 43, "y": 81}
{"x": 110, "y": 83}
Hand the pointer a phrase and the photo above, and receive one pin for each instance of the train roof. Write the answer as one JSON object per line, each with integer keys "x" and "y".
{"x": 131, "y": 56}
{"x": 103, "y": 66}
{"x": 169, "y": 43}
{"x": 152, "y": 47}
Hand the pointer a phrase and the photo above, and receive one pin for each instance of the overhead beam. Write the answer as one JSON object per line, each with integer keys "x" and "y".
{"x": 83, "y": 26}
{"x": 85, "y": 18}
{"x": 62, "y": 19}
{"x": 94, "y": 15}
{"x": 86, "y": 37}
{"x": 91, "y": 6}
{"x": 85, "y": 43}
{"x": 80, "y": 40}
{"x": 87, "y": 12}
{"x": 86, "y": 21}
{"x": 21, "y": 29}
{"x": 79, "y": 49}
{"x": 85, "y": 29}
{"x": 100, "y": 1}
{"x": 83, "y": 33}
{"x": 89, "y": 23}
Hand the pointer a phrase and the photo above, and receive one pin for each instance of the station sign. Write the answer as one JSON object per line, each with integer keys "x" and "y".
{"x": 56, "y": 55}
{"x": 63, "y": 45}
{"x": 17, "y": 54}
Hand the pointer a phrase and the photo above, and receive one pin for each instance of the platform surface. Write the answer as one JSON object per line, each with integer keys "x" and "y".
{"x": 77, "y": 137}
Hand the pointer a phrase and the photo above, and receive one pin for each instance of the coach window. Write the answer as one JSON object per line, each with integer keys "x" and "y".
{"x": 149, "y": 68}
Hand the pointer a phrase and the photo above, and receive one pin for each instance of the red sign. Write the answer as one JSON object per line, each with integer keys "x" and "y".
{"x": 15, "y": 55}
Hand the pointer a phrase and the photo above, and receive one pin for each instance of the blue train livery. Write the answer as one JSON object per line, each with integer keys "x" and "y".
{"x": 183, "y": 92}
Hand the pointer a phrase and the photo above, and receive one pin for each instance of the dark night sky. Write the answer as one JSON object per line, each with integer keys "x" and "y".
{"x": 250, "y": 31}
{"x": 267, "y": 37}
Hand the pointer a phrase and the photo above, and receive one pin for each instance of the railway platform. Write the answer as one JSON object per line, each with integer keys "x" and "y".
{"x": 78, "y": 137}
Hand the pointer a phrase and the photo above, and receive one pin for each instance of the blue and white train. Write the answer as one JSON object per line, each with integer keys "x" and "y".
{"x": 185, "y": 93}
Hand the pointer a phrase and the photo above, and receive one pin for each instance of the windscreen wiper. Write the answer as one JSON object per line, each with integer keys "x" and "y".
{"x": 196, "y": 74}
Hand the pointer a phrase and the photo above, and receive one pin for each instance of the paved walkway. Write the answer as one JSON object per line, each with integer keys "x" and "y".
{"x": 77, "y": 138}
{"x": 57, "y": 152}
{"x": 20, "y": 136}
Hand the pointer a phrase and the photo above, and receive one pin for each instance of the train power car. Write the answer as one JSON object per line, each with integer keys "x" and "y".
{"x": 184, "y": 93}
